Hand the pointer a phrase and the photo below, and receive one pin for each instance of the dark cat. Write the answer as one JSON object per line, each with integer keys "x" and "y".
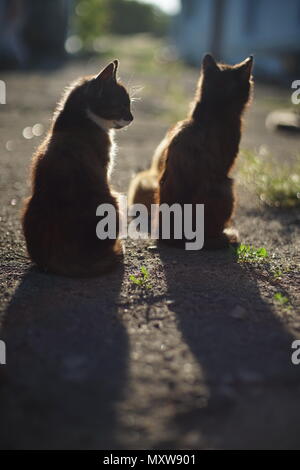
{"x": 192, "y": 163}
{"x": 70, "y": 179}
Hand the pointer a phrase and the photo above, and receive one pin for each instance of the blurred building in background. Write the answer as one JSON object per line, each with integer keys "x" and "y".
{"x": 33, "y": 32}
{"x": 233, "y": 29}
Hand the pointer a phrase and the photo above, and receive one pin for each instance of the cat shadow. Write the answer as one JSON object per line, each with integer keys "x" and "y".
{"x": 243, "y": 352}
{"x": 67, "y": 355}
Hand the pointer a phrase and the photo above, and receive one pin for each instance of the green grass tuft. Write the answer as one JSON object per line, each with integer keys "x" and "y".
{"x": 249, "y": 254}
{"x": 142, "y": 280}
{"x": 277, "y": 185}
{"x": 281, "y": 299}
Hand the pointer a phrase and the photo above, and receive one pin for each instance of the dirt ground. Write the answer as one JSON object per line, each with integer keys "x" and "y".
{"x": 201, "y": 360}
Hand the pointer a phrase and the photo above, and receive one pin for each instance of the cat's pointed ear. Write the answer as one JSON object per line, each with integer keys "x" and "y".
{"x": 116, "y": 64}
{"x": 209, "y": 64}
{"x": 107, "y": 73}
{"x": 245, "y": 68}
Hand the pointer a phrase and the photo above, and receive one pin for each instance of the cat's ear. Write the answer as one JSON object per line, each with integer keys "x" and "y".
{"x": 209, "y": 64}
{"x": 116, "y": 64}
{"x": 107, "y": 73}
{"x": 245, "y": 68}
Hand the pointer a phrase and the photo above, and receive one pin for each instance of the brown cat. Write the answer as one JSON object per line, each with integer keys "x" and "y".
{"x": 192, "y": 163}
{"x": 70, "y": 179}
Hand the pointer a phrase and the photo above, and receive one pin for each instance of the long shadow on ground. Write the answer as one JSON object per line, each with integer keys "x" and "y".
{"x": 243, "y": 350}
{"x": 67, "y": 356}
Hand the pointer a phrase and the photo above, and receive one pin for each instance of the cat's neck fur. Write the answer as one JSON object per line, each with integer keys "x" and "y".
{"x": 206, "y": 110}
{"x": 222, "y": 124}
{"x": 72, "y": 115}
{"x": 74, "y": 122}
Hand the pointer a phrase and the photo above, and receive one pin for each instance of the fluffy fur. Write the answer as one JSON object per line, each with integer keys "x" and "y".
{"x": 70, "y": 179}
{"x": 193, "y": 162}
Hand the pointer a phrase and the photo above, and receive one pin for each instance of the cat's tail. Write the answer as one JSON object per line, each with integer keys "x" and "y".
{"x": 108, "y": 262}
{"x": 230, "y": 237}
{"x": 143, "y": 189}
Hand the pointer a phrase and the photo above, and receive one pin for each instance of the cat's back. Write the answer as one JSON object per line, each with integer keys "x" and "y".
{"x": 73, "y": 146}
{"x": 186, "y": 143}
{"x": 70, "y": 158}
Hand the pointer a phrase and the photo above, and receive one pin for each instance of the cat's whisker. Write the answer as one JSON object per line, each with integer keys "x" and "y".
{"x": 136, "y": 89}
{"x": 128, "y": 85}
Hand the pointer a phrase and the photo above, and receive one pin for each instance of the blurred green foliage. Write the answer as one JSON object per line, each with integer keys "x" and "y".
{"x": 94, "y": 18}
{"x": 276, "y": 185}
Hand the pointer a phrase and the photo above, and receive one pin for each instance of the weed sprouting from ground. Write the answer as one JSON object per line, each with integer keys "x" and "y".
{"x": 249, "y": 254}
{"x": 273, "y": 269}
{"x": 142, "y": 280}
{"x": 282, "y": 299}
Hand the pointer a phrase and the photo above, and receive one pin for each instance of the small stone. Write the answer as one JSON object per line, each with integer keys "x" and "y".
{"x": 152, "y": 248}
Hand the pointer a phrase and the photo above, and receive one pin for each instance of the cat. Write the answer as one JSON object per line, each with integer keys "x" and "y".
{"x": 193, "y": 162}
{"x": 71, "y": 178}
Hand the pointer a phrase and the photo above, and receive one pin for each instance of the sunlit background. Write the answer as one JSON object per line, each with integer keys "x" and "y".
{"x": 160, "y": 44}
{"x": 169, "y": 6}
{"x": 38, "y": 34}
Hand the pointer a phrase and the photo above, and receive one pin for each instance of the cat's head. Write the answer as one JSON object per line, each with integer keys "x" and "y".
{"x": 108, "y": 103}
{"x": 226, "y": 84}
